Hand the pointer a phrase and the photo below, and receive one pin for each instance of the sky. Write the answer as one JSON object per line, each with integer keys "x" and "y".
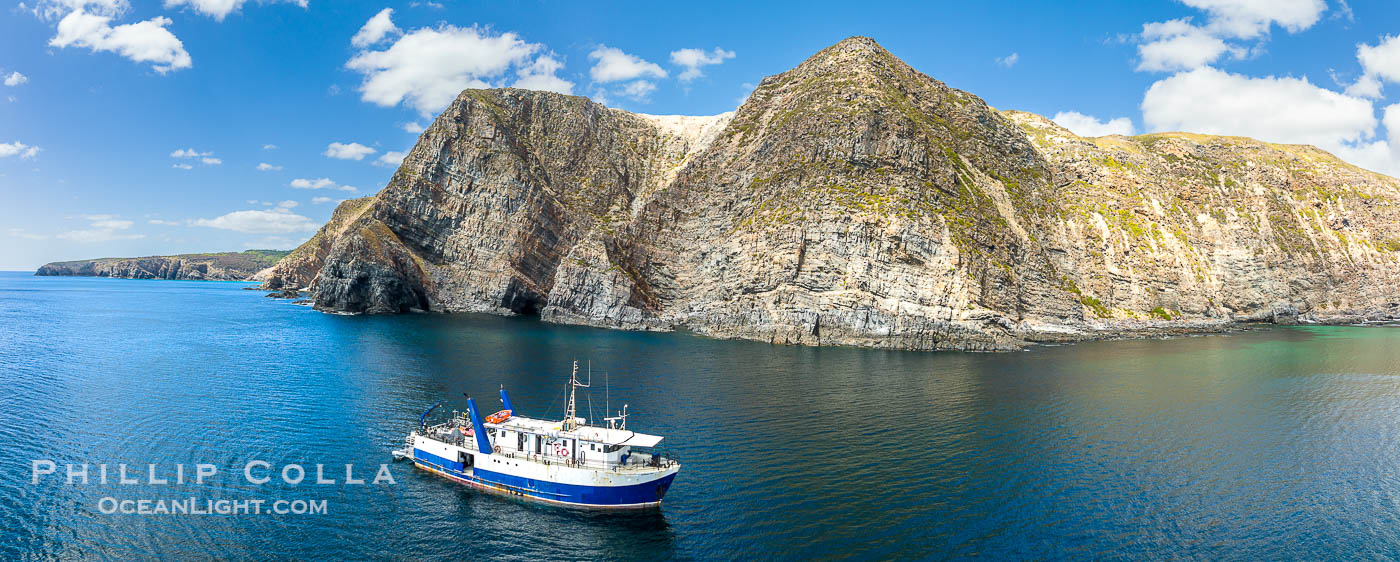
{"x": 131, "y": 128}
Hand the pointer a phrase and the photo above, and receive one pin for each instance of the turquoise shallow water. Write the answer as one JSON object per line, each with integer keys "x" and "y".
{"x": 1276, "y": 444}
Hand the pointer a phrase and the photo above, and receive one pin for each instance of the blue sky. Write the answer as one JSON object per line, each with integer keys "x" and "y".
{"x": 138, "y": 128}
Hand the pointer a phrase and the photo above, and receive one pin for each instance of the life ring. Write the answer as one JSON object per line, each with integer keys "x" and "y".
{"x": 498, "y": 448}
{"x": 563, "y": 451}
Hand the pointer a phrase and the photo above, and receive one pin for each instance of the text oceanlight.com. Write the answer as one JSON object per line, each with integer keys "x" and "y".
{"x": 201, "y": 506}
{"x": 254, "y": 472}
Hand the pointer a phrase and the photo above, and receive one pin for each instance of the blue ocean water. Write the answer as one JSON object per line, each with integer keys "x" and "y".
{"x": 1273, "y": 444}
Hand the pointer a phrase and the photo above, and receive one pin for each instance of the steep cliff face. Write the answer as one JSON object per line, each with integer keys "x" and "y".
{"x": 1183, "y": 226}
{"x": 853, "y": 201}
{"x": 226, "y": 266}
{"x": 497, "y": 192}
{"x": 300, "y": 267}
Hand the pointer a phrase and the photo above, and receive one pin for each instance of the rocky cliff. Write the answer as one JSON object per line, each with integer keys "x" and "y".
{"x": 854, "y": 201}
{"x": 225, "y": 266}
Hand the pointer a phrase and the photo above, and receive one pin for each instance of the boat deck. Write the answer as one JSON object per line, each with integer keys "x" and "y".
{"x": 592, "y": 434}
{"x": 637, "y": 462}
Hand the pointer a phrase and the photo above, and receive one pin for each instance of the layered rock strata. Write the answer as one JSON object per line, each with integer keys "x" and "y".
{"x": 854, "y": 201}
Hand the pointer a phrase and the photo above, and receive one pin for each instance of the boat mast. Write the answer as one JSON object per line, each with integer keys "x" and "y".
{"x": 571, "y": 414}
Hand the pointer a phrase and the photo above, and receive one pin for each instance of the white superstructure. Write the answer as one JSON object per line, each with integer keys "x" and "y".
{"x": 562, "y": 461}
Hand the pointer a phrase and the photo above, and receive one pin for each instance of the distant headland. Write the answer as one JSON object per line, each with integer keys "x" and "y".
{"x": 220, "y": 266}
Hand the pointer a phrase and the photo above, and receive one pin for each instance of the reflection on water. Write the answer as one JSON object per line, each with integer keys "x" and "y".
{"x": 1276, "y": 443}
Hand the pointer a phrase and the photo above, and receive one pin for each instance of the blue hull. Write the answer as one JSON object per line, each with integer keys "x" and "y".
{"x": 635, "y": 495}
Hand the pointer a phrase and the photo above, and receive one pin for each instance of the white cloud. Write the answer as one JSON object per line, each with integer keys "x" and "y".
{"x": 639, "y": 90}
{"x": 321, "y": 200}
{"x": 1379, "y": 63}
{"x": 319, "y": 183}
{"x": 414, "y": 128}
{"x": 102, "y": 228}
{"x": 1367, "y": 86}
{"x": 182, "y": 166}
{"x": 1251, "y": 18}
{"x": 163, "y": 222}
{"x": 614, "y": 65}
{"x": 351, "y": 151}
{"x": 1383, "y": 59}
{"x": 49, "y": 10}
{"x": 17, "y": 149}
{"x": 543, "y": 75}
{"x": 280, "y": 220}
{"x": 207, "y": 157}
{"x": 1008, "y": 61}
{"x": 427, "y": 68}
{"x": 1090, "y": 126}
{"x": 1392, "y": 125}
{"x": 189, "y": 153}
{"x": 265, "y": 167}
{"x": 1179, "y": 45}
{"x": 693, "y": 59}
{"x": 269, "y": 147}
{"x": 288, "y": 204}
{"x": 1382, "y": 155}
{"x": 217, "y": 9}
{"x": 1274, "y": 109}
{"x": 390, "y": 159}
{"x": 147, "y": 41}
{"x": 376, "y": 29}
{"x": 322, "y": 183}
{"x": 1212, "y": 101}
{"x": 112, "y": 224}
{"x": 15, "y": 79}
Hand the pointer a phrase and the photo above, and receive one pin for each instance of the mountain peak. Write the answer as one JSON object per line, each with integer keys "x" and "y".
{"x": 853, "y": 85}
{"x": 853, "y": 53}
{"x": 856, "y": 43}
{"x": 854, "y": 200}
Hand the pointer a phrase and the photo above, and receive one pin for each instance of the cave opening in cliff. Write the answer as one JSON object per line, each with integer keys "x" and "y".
{"x": 521, "y": 300}
{"x": 528, "y": 308}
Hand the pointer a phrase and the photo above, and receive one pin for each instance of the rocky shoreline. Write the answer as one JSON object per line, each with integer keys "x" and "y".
{"x": 224, "y": 266}
{"x": 855, "y": 201}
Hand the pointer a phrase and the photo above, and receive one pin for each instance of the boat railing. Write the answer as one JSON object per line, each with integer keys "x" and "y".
{"x": 442, "y": 434}
{"x": 635, "y": 461}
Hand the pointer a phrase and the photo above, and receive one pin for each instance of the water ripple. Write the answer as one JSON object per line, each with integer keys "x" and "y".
{"x": 1273, "y": 444}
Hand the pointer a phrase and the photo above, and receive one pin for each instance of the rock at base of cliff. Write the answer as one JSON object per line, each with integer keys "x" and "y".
{"x": 370, "y": 270}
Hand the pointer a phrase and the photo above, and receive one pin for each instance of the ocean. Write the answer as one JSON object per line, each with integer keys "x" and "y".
{"x": 1276, "y": 443}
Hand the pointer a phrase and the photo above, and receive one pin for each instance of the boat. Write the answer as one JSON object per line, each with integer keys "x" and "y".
{"x": 566, "y": 462}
